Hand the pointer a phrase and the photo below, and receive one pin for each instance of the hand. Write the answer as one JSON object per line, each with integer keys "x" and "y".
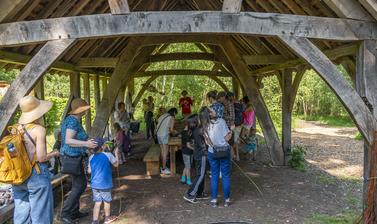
{"x": 55, "y": 153}
{"x": 91, "y": 144}
{"x": 116, "y": 151}
{"x": 232, "y": 127}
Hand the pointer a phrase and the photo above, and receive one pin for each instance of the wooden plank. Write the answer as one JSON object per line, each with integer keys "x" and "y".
{"x": 117, "y": 80}
{"x": 26, "y": 80}
{"x": 349, "y": 49}
{"x": 88, "y": 117}
{"x": 252, "y": 91}
{"x": 184, "y": 22}
{"x": 9, "y": 8}
{"x": 97, "y": 91}
{"x": 349, "y": 9}
{"x": 232, "y": 6}
{"x": 142, "y": 90}
{"x": 370, "y": 6}
{"x": 101, "y": 62}
{"x": 39, "y": 89}
{"x": 357, "y": 109}
{"x": 286, "y": 113}
{"x": 74, "y": 82}
{"x": 236, "y": 88}
{"x": 264, "y": 59}
{"x": 119, "y": 6}
{"x": 181, "y": 72}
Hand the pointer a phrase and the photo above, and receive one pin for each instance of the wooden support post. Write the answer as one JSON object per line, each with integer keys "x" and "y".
{"x": 251, "y": 88}
{"x": 88, "y": 117}
{"x": 236, "y": 88}
{"x": 131, "y": 88}
{"x": 286, "y": 113}
{"x": 97, "y": 91}
{"x": 119, "y": 6}
{"x": 232, "y": 6}
{"x": 366, "y": 81}
{"x": 39, "y": 89}
{"x": 74, "y": 81}
{"x": 103, "y": 86}
{"x": 352, "y": 101}
{"x": 117, "y": 79}
{"x": 142, "y": 90}
{"x": 26, "y": 80}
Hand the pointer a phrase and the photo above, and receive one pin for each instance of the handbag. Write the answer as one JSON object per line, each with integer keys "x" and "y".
{"x": 219, "y": 152}
{"x": 158, "y": 128}
{"x": 71, "y": 165}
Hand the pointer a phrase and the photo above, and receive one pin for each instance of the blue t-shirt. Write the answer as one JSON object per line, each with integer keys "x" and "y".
{"x": 74, "y": 124}
{"x": 101, "y": 173}
{"x": 218, "y": 108}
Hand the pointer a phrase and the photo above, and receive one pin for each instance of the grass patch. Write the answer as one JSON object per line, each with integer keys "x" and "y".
{"x": 325, "y": 179}
{"x": 344, "y": 218}
{"x": 340, "y": 121}
{"x": 358, "y": 137}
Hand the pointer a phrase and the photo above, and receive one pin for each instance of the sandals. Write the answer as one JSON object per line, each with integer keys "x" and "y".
{"x": 110, "y": 219}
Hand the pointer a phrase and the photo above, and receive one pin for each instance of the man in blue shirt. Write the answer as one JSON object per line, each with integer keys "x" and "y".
{"x": 101, "y": 180}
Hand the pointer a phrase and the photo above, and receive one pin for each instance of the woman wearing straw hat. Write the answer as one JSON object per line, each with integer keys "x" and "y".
{"x": 75, "y": 144}
{"x": 33, "y": 199}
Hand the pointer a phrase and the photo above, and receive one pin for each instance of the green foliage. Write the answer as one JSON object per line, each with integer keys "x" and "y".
{"x": 297, "y": 158}
{"x": 52, "y": 118}
{"x": 343, "y": 218}
{"x": 358, "y": 136}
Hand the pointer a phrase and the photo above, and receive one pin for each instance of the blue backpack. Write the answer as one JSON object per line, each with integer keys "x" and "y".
{"x": 238, "y": 110}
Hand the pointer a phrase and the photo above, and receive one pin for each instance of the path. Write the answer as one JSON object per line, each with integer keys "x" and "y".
{"x": 289, "y": 196}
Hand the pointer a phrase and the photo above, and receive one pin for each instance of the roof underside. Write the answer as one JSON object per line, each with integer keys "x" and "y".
{"x": 114, "y": 46}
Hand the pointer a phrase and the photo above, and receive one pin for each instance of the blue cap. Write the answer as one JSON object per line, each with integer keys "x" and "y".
{"x": 100, "y": 142}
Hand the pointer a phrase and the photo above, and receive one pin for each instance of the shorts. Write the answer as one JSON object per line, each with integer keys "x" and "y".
{"x": 102, "y": 195}
{"x": 249, "y": 148}
{"x": 187, "y": 160}
{"x": 163, "y": 140}
{"x": 236, "y": 134}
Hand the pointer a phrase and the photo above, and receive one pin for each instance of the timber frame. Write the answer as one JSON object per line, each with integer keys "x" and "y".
{"x": 112, "y": 42}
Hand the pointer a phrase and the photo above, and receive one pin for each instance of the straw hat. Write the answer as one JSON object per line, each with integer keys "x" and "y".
{"x": 32, "y": 109}
{"x": 78, "y": 106}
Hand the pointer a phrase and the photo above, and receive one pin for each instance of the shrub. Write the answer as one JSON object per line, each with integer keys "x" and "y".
{"x": 297, "y": 160}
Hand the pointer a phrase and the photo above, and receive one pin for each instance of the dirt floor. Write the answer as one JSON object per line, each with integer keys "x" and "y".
{"x": 330, "y": 186}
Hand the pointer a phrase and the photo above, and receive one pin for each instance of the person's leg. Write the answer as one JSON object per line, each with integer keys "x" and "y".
{"x": 215, "y": 170}
{"x": 21, "y": 204}
{"x": 195, "y": 188}
{"x": 40, "y": 196}
{"x": 202, "y": 183}
{"x": 225, "y": 166}
{"x": 96, "y": 210}
{"x": 148, "y": 125}
{"x": 165, "y": 151}
{"x": 72, "y": 203}
{"x": 107, "y": 208}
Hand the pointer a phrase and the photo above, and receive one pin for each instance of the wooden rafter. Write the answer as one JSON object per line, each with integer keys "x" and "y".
{"x": 371, "y": 6}
{"x": 232, "y": 6}
{"x": 119, "y": 6}
{"x": 349, "y": 9}
{"x": 181, "y": 72}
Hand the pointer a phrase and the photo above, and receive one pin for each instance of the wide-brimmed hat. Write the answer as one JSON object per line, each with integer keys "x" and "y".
{"x": 78, "y": 106}
{"x": 32, "y": 109}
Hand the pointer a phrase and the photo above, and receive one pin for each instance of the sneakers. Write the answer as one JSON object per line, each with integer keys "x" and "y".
{"x": 227, "y": 202}
{"x": 213, "y": 203}
{"x": 188, "y": 181}
{"x": 190, "y": 199}
{"x": 203, "y": 196}
{"x": 183, "y": 180}
{"x": 67, "y": 220}
{"x": 165, "y": 171}
{"x": 110, "y": 219}
{"x": 79, "y": 215}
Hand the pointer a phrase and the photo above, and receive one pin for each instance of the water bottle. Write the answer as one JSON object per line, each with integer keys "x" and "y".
{"x": 12, "y": 150}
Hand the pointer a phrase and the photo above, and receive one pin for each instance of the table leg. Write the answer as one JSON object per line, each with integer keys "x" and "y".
{"x": 172, "y": 160}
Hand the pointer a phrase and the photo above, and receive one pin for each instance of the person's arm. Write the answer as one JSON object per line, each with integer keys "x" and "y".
{"x": 232, "y": 115}
{"x": 113, "y": 160}
{"x": 171, "y": 125}
{"x": 189, "y": 146}
{"x": 89, "y": 169}
{"x": 225, "y": 130}
{"x": 71, "y": 141}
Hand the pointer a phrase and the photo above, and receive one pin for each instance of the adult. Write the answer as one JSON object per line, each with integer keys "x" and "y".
{"x": 122, "y": 117}
{"x": 33, "y": 198}
{"x": 214, "y": 104}
{"x": 185, "y": 102}
{"x": 149, "y": 118}
{"x": 196, "y": 190}
{"x": 227, "y": 100}
{"x": 75, "y": 144}
{"x": 165, "y": 127}
{"x": 217, "y": 136}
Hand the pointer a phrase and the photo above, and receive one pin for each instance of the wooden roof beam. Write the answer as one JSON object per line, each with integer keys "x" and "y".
{"x": 9, "y": 8}
{"x": 232, "y": 6}
{"x": 186, "y": 72}
{"x": 349, "y": 9}
{"x": 184, "y": 22}
{"x": 264, "y": 59}
{"x": 99, "y": 62}
{"x": 119, "y": 6}
{"x": 371, "y": 6}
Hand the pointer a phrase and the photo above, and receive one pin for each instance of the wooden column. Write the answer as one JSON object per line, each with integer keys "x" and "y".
{"x": 286, "y": 112}
{"x": 26, "y": 80}
{"x": 39, "y": 89}
{"x": 88, "y": 117}
{"x": 366, "y": 81}
{"x": 131, "y": 88}
{"x": 74, "y": 82}
{"x": 251, "y": 88}
{"x": 352, "y": 101}
{"x": 117, "y": 80}
{"x": 97, "y": 91}
{"x": 236, "y": 88}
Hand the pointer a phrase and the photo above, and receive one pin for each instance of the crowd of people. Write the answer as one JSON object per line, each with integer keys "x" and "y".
{"x": 210, "y": 137}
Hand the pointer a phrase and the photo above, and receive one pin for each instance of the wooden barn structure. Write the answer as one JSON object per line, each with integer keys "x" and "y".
{"x": 114, "y": 41}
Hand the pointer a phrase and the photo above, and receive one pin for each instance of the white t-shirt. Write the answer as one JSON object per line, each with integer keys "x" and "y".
{"x": 217, "y": 132}
{"x": 163, "y": 128}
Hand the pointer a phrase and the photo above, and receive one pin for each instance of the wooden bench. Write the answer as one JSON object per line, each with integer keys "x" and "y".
{"x": 152, "y": 160}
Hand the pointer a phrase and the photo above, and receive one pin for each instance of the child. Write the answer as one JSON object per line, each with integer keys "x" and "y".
{"x": 251, "y": 144}
{"x": 120, "y": 142}
{"x": 187, "y": 155}
{"x": 101, "y": 180}
{"x": 248, "y": 121}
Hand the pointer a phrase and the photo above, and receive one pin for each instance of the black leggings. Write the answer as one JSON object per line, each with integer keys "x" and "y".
{"x": 197, "y": 186}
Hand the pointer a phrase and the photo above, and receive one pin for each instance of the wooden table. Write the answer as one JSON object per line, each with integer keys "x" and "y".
{"x": 174, "y": 145}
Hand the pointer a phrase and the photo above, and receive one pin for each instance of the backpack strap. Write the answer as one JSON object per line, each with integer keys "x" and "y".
{"x": 34, "y": 163}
